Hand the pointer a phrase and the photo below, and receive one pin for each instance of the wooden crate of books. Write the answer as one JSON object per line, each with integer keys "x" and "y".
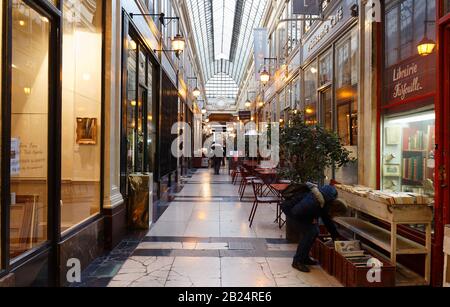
{"x": 326, "y": 254}
{"x": 352, "y": 268}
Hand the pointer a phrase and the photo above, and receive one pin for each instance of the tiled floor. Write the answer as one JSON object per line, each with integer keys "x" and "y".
{"x": 203, "y": 239}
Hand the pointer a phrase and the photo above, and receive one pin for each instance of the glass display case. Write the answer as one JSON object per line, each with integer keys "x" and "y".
{"x": 409, "y": 153}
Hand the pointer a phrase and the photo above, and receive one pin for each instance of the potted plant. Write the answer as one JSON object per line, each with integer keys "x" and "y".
{"x": 306, "y": 152}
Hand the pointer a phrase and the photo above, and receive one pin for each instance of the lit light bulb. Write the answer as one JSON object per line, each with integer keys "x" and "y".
{"x": 133, "y": 45}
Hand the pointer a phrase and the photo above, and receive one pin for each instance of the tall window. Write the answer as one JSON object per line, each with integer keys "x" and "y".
{"x": 29, "y": 128}
{"x": 407, "y": 23}
{"x": 310, "y": 107}
{"x": 81, "y": 111}
{"x": 347, "y": 89}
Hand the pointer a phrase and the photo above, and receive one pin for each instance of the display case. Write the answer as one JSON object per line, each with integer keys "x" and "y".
{"x": 409, "y": 153}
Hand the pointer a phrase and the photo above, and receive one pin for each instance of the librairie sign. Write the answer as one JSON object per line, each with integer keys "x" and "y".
{"x": 410, "y": 79}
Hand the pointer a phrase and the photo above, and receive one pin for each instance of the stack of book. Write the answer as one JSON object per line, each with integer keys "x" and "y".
{"x": 387, "y": 197}
{"x": 353, "y": 252}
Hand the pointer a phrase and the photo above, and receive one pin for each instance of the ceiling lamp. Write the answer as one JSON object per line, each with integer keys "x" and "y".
{"x": 196, "y": 92}
{"x": 178, "y": 43}
{"x": 426, "y": 46}
{"x": 261, "y": 104}
{"x": 248, "y": 104}
{"x": 265, "y": 76}
{"x": 203, "y": 111}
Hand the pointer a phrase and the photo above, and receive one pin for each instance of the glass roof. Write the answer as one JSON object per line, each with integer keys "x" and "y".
{"x": 223, "y": 32}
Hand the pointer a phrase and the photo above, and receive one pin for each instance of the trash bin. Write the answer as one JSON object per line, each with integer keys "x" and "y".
{"x": 139, "y": 201}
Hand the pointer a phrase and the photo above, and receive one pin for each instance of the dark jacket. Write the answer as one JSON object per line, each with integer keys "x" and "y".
{"x": 311, "y": 205}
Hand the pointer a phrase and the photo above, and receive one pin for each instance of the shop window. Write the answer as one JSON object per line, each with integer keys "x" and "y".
{"x": 409, "y": 153}
{"x": 326, "y": 69}
{"x": 347, "y": 89}
{"x": 29, "y": 129}
{"x": 81, "y": 111}
{"x": 310, "y": 107}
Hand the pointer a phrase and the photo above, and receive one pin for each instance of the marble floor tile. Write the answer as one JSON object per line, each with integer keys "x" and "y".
{"x": 168, "y": 229}
{"x": 286, "y": 276}
{"x": 246, "y": 272}
{"x": 195, "y": 272}
{"x": 203, "y": 229}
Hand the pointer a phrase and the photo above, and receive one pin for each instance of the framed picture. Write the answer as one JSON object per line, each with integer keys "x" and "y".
{"x": 392, "y": 170}
{"x": 86, "y": 131}
{"x": 393, "y": 135}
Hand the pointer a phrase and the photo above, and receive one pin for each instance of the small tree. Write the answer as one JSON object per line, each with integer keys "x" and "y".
{"x": 307, "y": 151}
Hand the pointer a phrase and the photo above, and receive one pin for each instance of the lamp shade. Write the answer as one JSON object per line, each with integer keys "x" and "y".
{"x": 203, "y": 111}
{"x": 426, "y": 47}
{"x": 265, "y": 76}
{"x": 248, "y": 104}
{"x": 178, "y": 43}
{"x": 196, "y": 92}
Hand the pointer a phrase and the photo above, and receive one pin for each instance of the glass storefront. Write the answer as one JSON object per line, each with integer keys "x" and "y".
{"x": 29, "y": 128}
{"x": 81, "y": 111}
{"x": 331, "y": 97}
{"x": 408, "y": 133}
{"x": 140, "y": 122}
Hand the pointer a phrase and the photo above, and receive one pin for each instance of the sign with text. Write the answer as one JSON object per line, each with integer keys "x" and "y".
{"x": 245, "y": 115}
{"x": 410, "y": 79}
{"x": 328, "y": 29}
{"x": 261, "y": 49}
{"x": 306, "y": 7}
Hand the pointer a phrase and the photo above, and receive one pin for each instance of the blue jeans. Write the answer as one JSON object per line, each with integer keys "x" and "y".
{"x": 310, "y": 232}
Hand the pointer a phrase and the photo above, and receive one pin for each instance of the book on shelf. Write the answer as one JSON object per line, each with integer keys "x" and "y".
{"x": 414, "y": 168}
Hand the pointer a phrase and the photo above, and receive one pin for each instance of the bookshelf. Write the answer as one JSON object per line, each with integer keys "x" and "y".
{"x": 409, "y": 146}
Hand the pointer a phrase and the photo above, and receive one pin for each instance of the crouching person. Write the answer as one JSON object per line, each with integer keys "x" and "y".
{"x": 307, "y": 207}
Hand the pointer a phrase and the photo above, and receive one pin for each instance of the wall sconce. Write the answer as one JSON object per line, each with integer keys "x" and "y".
{"x": 426, "y": 46}
{"x": 196, "y": 92}
{"x": 178, "y": 41}
{"x": 265, "y": 75}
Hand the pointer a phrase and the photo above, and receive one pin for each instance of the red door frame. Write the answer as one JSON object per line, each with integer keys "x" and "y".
{"x": 443, "y": 139}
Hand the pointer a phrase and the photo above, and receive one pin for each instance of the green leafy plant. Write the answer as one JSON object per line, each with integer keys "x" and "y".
{"x": 307, "y": 151}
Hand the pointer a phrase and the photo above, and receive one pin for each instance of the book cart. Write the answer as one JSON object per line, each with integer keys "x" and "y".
{"x": 387, "y": 240}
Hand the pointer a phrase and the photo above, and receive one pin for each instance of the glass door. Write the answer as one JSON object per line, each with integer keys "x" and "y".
{"x": 30, "y": 101}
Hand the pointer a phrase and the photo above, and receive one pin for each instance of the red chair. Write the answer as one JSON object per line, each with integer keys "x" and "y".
{"x": 262, "y": 200}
